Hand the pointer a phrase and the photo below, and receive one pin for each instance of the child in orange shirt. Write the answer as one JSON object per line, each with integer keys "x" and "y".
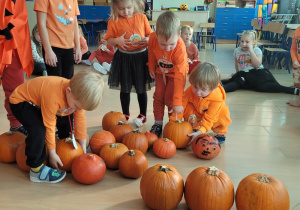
{"x": 128, "y": 29}
{"x": 36, "y": 108}
{"x": 204, "y": 102}
{"x": 104, "y": 54}
{"x": 191, "y": 48}
{"x": 169, "y": 66}
{"x": 85, "y": 53}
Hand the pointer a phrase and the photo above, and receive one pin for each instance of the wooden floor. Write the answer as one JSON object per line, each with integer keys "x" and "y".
{"x": 263, "y": 137}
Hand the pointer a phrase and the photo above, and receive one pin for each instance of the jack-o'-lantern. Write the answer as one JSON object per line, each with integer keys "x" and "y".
{"x": 206, "y": 146}
{"x": 184, "y": 7}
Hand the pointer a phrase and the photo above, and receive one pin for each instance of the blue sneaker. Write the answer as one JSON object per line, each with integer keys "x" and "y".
{"x": 221, "y": 138}
{"x": 20, "y": 129}
{"x": 86, "y": 62}
{"x": 48, "y": 175}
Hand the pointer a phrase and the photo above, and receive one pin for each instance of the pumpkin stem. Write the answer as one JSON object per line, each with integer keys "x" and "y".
{"x": 263, "y": 179}
{"x": 114, "y": 145}
{"x": 9, "y": 133}
{"x": 131, "y": 152}
{"x": 136, "y": 131}
{"x": 213, "y": 134}
{"x": 178, "y": 121}
{"x": 214, "y": 171}
{"x": 164, "y": 169}
{"x": 68, "y": 140}
{"x": 166, "y": 140}
{"x": 121, "y": 122}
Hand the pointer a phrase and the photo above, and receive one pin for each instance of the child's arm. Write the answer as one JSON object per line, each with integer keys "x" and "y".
{"x": 294, "y": 103}
{"x": 121, "y": 41}
{"x": 294, "y": 50}
{"x": 77, "y": 43}
{"x": 50, "y": 57}
{"x": 151, "y": 57}
{"x": 236, "y": 64}
{"x": 255, "y": 59}
{"x": 54, "y": 159}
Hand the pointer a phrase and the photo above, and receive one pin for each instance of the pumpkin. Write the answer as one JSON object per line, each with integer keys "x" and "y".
{"x": 178, "y": 132}
{"x": 120, "y": 130}
{"x": 136, "y": 140}
{"x": 208, "y": 188}
{"x": 88, "y": 168}
{"x": 161, "y": 187}
{"x": 111, "y": 154}
{"x": 184, "y": 7}
{"x": 261, "y": 191}
{"x": 133, "y": 164}
{"x": 99, "y": 139}
{"x": 151, "y": 137}
{"x": 111, "y": 119}
{"x": 164, "y": 148}
{"x": 206, "y": 146}
{"x": 67, "y": 153}
{"x": 9, "y": 143}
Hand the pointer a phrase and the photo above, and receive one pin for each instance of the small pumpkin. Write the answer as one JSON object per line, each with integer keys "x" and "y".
{"x": 111, "y": 119}
{"x": 99, "y": 139}
{"x": 151, "y": 137}
{"x": 133, "y": 164}
{"x": 136, "y": 140}
{"x": 88, "y": 168}
{"x": 206, "y": 146}
{"x": 164, "y": 148}
{"x": 161, "y": 187}
{"x": 67, "y": 153}
{"x": 111, "y": 154}
{"x": 9, "y": 143}
{"x": 184, "y": 7}
{"x": 120, "y": 130}
{"x": 178, "y": 132}
{"x": 261, "y": 191}
{"x": 208, "y": 188}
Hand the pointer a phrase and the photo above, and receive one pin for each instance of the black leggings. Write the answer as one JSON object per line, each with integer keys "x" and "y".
{"x": 125, "y": 102}
{"x": 39, "y": 68}
{"x": 260, "y": 80}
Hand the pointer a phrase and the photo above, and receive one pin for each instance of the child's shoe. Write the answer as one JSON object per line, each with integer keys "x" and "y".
{"x": 106, "y": 66}
{"x": 20, "y": 129}
{"x": 99, "y": 68}
{"x": 86, "y": 62}
{"x": 221, "y": 138}
{"x": 140, "y": 120}
{"x": 127, "y": 117}
{"x": 45, "y": 73}
{"x": 156, "y": 129}
{"x": 47, "y": 174}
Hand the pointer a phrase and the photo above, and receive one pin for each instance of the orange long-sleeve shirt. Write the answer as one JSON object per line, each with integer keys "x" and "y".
{"x": 295, "y": 48}
{"x": 210, "y": 111}
{"x": 83, "y": 45}
{"x": 49, "y": 93}
{"x": 174, "y": 63}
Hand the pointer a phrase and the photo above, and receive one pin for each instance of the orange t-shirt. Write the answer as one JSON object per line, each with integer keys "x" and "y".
{"x": 133, "y": 26}
{"x": 60, "y": 21}
{"x": 174, "y": 63}
{"x": 49, "y": 93}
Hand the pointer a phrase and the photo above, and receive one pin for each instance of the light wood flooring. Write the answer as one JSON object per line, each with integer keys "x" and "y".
{"x": 263, "y": 138}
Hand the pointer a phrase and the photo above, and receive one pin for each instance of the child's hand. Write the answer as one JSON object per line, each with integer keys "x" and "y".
{"x": 122, "y": 42}
{"x": 50, "y": 58}
{"x": 296, "y": 65}
{"x": 83, "y": 145}
{"x": 54, "y": 159}
{"x": 176, "y": 110}
{"x": 194, "y": 135}
{"x": 152, "y": 74}
{"x": 143, "y": 42}
{"x": 78, "y": 55}
{"x": 190, "y": 61}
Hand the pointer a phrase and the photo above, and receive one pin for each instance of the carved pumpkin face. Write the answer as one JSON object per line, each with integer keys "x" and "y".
{"x": 206, "y": 147}
{"x": 184, "y": 7}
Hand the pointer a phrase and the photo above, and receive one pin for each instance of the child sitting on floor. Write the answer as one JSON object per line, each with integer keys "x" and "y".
{"x": 83, "y": 45}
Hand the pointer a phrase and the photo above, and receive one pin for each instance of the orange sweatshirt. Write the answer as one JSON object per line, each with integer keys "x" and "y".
{"x": 49, "y": 93}
{"x": 210, "y": 111}
{"x": 174, "y": 63}
{"x": 295, "y": 48}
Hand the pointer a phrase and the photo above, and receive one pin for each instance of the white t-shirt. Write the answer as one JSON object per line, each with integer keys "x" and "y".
{"x": 244, "y": 59}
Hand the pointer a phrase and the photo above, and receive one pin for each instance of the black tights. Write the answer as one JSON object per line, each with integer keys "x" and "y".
{"x": 125, "y": 102}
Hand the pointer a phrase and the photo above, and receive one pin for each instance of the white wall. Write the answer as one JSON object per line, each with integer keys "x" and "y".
{"x": 31, "y": 14}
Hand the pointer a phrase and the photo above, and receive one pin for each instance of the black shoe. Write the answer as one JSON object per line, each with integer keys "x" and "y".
{"x": 20, "y": 129}
{"x": 156, "y": 129}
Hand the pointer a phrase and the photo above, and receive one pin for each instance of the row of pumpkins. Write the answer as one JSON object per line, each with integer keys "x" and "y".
{"x": 205, "y": 187}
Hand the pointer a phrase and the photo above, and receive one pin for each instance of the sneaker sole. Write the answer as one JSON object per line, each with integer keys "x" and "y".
{"x": 37, "y": 180}
{"x": 99, "y": 68}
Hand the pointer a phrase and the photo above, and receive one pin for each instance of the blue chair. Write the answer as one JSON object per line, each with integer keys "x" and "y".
{"x": 82, "y": 22}
{"x": 211, "y": 38}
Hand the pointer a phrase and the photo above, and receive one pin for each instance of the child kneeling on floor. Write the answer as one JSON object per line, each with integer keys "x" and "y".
{"x": 204, "y": 103}
{"x": 38, "y": 103}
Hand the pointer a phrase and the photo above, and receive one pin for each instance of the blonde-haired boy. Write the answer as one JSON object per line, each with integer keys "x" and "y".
{"x": 204, "y": 102}
{"x": 39, "y": 102}
{"x": 167, "y": 62}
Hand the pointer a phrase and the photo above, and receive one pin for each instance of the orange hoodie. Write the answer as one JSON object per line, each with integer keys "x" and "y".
{"x": 212, "y": 113}
{"x": 295, "y": 48}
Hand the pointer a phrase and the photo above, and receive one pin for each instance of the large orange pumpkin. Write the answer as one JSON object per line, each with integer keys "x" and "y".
{"x": 99, "y": 139}
{"x": 133, "y": 164}
{"x": 208, "y": 188}
{"x": 178, "y": 132}
{"x": 88, "y": 168}
{"x": 151, "y": 137}
{"x": 164, "y": 148}
{"x": 161, "y": 187}
{"x": 136, "y": 140}
{"x": 9, "y": 143}
{"x": 120, "y": 130}
{"x": 111, "y": 119}
{"x": 67, "y": 153}
{"x": 111, "y": 154}
{"x": 206, "y": 146}
{"x": 261, "y": 191}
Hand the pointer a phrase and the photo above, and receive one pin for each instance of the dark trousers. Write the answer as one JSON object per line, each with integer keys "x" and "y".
{"x": 65, "y": 63}
{"x": 32, "y": 120}
{"x": 39, "y": 68}
{"x": 86, "y": 55}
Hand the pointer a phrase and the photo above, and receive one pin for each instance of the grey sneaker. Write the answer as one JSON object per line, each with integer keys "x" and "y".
{"x": 48, "y": 175}
{"x": 140, "y": 120}
{"x": 45, "y": 73}
{"x": 156, "y": 129}
{"x": 106, "y": 66}
{"x": 99, "y": 68}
